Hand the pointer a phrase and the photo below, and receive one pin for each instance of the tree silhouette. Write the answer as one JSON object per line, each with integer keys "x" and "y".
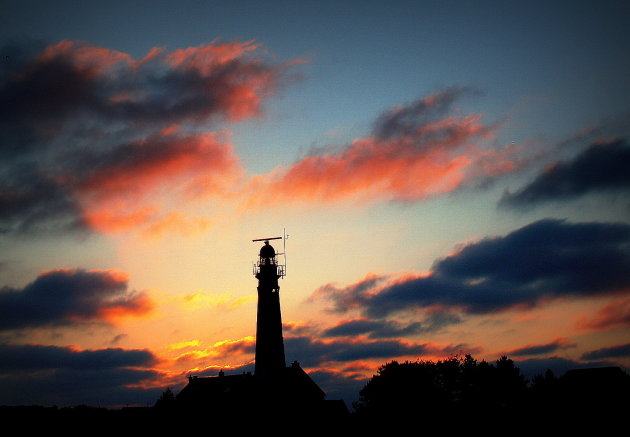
{"x": 458, "y": 385}
{"x": 166, "y": 400}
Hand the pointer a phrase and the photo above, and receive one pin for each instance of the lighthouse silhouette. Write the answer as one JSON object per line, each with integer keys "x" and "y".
{"x": 270, "y": 359}
{"x": 273, "y": 384}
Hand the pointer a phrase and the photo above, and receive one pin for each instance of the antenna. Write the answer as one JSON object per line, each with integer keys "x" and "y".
{"x": 282, "y": 267}
{"x": 284, "y": 248}
{"x": 266, "y": 239}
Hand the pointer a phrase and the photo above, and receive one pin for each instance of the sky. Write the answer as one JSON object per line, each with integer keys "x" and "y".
{"x": 452, "y": 178}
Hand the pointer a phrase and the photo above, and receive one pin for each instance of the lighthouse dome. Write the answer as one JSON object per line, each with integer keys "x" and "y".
{"x": 267, "y": 251}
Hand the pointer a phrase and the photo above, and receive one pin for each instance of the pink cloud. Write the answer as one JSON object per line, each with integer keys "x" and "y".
{"x": 613, "y": 315}
{"x": 123, "y": 189}
{"x": 406, "y": 159}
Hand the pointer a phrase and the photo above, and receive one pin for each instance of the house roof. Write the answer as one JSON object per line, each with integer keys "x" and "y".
{"x": 292, "y": 384}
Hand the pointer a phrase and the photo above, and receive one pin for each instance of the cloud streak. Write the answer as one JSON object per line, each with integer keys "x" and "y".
{"x": 602, "y": 167}
{"x": 617, "y": 351}
{"x": 613, "y": 315}
{"x": 312, "y": 352}
{"x": 542, "y": 349}
{"x": 380, "y": 329}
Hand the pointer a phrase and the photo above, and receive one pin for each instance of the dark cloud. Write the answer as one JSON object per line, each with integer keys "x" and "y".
{"x": 547, "y": 259}
{"x": 73, "y": 80}
{"x": 33, "y": 202}
{"x": 30, "y": 358}
{"x": 347, "y": 298}
{"x": 541, "y": 349}
{"x": 408, "y": 119}
{"x": 601, "y": 167}
{"x": 50, "y": 375}
{"x": 618, "y": 351}
{"x": 311, "y": 352}
{"x": 389, "y": 328}
{"x": 67, "y": 297}
{"x": 372, "y": 328}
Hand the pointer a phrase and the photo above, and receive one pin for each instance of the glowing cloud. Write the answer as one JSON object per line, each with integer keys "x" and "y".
{"x": 416, "y": 152}
{"x": 223, "y": 300}
{"x": 67, "y": 297}
{"x": 183, "y": 345}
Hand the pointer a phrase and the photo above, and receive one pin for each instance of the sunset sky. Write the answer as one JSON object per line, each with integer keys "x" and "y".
{"x": 453, "y": 177}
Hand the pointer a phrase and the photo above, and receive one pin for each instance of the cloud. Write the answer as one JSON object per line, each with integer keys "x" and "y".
{"x": 312, "y": 352}
{"x": 542, "y": 349}
{"x": 617, "y": 351}
{"x": 416, "y": 151}
{"x": 70, "y": 79}
{"x": 183, "y": 345}
{"x": 406, "y": 119}
{"x": 92, "y": 136}
{"x": 31, "y": 201}
{"x": 602, "y": 167}
{"x": 53, "y": 375}
{"x": 222, "y": 350}
{"x": 224, "y": 301}
{"x": 67, "y": 297}
{"x": 613, "y": 315}
{"x": 351, "y": 296}
{"x": 29, "y": 358}
{"x": 388, "y": 328}
{"x": 372, "y": 328}
{"x": 245, "y": 345}
{"x": 115, "y": 194}
{"x": 545, "y": 260}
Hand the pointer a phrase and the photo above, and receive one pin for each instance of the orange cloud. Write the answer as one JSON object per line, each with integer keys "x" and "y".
{"x": 613, "y": 315}
{"x": 207, "y": 57}
{"x": 125, "y": 188}
{"x": 83, "y": 55}
{"x": 221, "y": 350}
{"x": 177, "y": 223}
{"x": 183, "y": 345}
{"x": 135, "y": 304}
{"x": 223, "y": 300}
{"x": 433, "y": 159}
{"x": 72, "y": 296}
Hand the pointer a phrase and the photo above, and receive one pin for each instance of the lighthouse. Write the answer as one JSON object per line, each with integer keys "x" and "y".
{"x": 270, "y": 359}
{"x": 274, "y": 386}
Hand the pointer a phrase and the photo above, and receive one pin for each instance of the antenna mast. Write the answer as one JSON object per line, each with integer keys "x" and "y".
{"x": 282, "y": 268}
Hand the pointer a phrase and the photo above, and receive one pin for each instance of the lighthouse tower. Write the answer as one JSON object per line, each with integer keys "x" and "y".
{"x": 273, "y": 387}
{"x": 270, "y": 360}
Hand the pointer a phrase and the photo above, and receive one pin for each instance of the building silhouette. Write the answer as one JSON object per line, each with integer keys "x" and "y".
{"x": 273, "y": 384}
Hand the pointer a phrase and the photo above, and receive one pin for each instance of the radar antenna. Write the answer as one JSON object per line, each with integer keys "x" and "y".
{"x": 282, "y": 268}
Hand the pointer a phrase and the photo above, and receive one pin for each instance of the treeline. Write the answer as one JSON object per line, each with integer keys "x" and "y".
{"x": 445, "y": 396}
{"x": 462, "y": 389}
